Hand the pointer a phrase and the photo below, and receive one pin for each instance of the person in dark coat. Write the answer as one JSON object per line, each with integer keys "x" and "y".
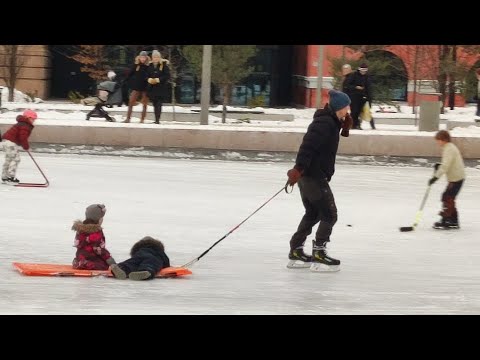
{"x": 16, "y": 137}
{"x": 137, "y": 80}
{"x": 313, "y": 170}
{"x": 359, "y": 88}
{"x": 158, "y": 76}
{"x": 147, "y": 259}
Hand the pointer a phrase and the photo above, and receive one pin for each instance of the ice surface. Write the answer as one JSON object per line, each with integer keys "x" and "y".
{"x": 189, "y": 204}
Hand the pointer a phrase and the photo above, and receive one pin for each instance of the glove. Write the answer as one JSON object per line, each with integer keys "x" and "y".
{"x": 111, "y": 261}
{"x": 346, "y": 125}
{"x": 151, "y": 81}
{"x": 436, "y": 166}
{"x": 293, "y": 176}
{"x": 432, "y": 180}
{"x": 157, "y": 80}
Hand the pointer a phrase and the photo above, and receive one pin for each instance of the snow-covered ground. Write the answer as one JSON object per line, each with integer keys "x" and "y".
{"x": 70, "y": 114}
{"x": 77, "y": 118}
{"x": 74, "y": 111}
{"x": 189, "y": 204}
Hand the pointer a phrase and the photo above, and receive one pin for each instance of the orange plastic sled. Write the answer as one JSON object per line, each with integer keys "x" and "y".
{"x": 68, "y": 270}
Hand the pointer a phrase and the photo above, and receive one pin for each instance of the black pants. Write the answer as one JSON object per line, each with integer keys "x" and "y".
{"x": 449, "y": 211}
{"x": 356, "y": 107}
{"x": 478, "y": 107}
{"x": 157, "y": 107}
{"x": 319, "y": 203}
{"x": 149, "y": 263}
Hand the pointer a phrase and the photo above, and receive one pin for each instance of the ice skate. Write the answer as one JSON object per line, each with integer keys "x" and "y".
{"x": 139, "y": 275}
{"x": 298, "y": 259}
{"x": 446, "y": 224}
{"x": 321, "y": 262}
{"x": 10, "y": 181}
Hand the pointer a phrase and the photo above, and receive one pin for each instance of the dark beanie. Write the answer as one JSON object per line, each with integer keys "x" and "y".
{"x": 143, "y": 53}
{"x": 338, "y": 100}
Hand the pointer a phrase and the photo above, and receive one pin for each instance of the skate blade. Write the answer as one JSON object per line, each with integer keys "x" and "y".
{"x": 9, "y": 183}
{"x": 319, "y": 267}
{"x": 298, "y": 264}
{"x": 446, "y": 227}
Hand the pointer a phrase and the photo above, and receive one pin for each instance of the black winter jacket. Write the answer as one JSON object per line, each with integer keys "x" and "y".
{"x": 317, "y": 153}
{"x": 137, "y": 78}
{"x": 162, "y": 72}
{"x": 356, "y": 79}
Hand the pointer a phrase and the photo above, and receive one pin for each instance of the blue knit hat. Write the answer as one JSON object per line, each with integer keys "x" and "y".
{"x": 338, "y": 100}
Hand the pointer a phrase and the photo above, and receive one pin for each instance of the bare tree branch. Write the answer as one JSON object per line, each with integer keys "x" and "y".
{"x": 13, "y": 62}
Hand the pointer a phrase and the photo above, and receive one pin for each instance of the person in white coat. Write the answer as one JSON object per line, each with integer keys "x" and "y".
{"x": 454, "y": 169}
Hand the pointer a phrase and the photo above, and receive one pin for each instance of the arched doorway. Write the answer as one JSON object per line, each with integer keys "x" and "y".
{"x": 388, "y": 74}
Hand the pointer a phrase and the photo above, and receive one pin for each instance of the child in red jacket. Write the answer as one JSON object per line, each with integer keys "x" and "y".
{"x": 90, "y": 241}
{"x": 16, "y": 136}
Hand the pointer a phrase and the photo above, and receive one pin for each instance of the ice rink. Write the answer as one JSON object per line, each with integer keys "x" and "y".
{"x": 190, "y": 204}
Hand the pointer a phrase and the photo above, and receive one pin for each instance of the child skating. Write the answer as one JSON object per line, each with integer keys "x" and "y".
{"x": 15, "y": 137}
{"x": 453, "y": 167}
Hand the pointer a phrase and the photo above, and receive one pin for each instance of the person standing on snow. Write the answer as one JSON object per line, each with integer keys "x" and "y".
{"x": 158, "y": 76}
{"x": 137, "y": 80}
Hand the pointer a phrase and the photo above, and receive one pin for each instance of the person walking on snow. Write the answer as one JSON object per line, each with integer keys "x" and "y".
{"x": 359, "y": 87}
{"x": 313, "y": 170}
{"x": 453, "y": 167}
{"x": 15, "y": 137}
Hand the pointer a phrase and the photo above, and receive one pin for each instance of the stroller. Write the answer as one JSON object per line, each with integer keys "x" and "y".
{"x": 109, "y": 93}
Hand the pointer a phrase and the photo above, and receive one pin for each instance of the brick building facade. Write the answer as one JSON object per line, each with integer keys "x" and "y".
{"x": 306, "y": 60}
{"x": 288, "y": 72}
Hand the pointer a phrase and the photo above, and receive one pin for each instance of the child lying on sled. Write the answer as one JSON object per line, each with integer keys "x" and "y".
{"x": 147, "y": 259}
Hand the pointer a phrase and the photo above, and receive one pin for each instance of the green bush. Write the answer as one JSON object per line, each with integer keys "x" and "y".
{"x": 256, "y": 101}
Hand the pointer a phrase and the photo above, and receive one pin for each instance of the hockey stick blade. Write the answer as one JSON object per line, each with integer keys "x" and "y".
{"x": 419, "y": 214}
{"x": 32, "y": 185}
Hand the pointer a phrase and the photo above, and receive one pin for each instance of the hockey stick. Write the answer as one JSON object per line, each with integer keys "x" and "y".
{"x": 45, "y": 184}
{"x": 190, "y": 263}
{"x": 419, "y": 214}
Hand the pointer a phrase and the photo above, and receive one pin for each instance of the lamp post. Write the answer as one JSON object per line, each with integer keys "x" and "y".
{"x": 206, "y": 79}
{"x": 319, "y": 76}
